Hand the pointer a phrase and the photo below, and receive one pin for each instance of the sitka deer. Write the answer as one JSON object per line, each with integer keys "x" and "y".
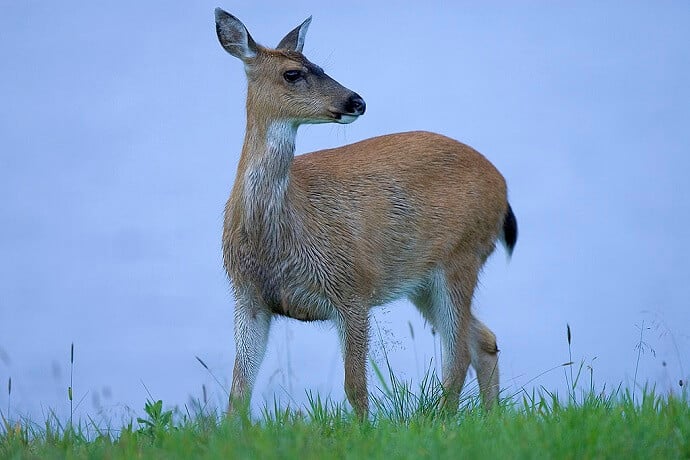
{"x": 328, "y": 235}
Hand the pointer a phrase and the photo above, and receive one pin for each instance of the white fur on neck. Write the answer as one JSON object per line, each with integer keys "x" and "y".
{"x": 280, "y": 137}
{"x": 268, "y": 175}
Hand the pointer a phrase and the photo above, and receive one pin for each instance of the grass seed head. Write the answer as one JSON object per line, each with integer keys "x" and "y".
{"x": 202, "y": 363}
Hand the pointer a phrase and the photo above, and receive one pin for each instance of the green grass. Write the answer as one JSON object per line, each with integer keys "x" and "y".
{"x": 405, "y": 425}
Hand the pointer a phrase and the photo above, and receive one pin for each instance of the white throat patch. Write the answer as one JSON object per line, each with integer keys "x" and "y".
{"x": 267, "y": 177}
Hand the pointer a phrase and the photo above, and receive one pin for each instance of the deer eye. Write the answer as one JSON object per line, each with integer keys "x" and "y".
{"x": 292, "y": 76}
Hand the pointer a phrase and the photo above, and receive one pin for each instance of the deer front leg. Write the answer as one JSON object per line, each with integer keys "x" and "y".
{"x": 354, "y": 335}
{"x": 252, "y": 324}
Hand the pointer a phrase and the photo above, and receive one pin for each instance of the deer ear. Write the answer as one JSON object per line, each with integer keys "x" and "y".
{"x": 294, "y": 41}
{"x": 234, "y": 36}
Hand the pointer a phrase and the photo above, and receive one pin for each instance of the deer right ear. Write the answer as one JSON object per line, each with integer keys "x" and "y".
{"x": 233, "y": 36}
{"x": 294, "y": 40}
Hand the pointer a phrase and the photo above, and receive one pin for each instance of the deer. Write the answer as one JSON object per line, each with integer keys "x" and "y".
{"x": 329, "y": 235}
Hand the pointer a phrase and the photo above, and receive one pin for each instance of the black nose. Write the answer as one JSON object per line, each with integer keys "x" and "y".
{"x": 355, "y": 105}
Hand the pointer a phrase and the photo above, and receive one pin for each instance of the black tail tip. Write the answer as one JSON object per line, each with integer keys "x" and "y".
{"x": 510, "y": 230}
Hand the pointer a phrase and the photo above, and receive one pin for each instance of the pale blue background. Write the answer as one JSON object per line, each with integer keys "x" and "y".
{"x": 120, "y": 130}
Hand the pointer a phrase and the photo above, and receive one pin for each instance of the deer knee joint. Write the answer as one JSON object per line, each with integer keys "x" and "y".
{"x": 487, "y": 341}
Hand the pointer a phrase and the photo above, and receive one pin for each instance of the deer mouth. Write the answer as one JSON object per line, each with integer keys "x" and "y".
{"x": 344, "y": 118}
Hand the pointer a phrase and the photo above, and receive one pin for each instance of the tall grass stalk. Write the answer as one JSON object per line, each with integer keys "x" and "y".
{"x": 70, "y": 388}
{"x": 640, "y": 348}
{"x": 574, "y": 379}
{"x": 570, "y": 351}
{"x": 222, "y": 387}
{"x": 9, "y": 396}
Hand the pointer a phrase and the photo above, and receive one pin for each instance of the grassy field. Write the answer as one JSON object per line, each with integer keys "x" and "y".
{"x": 402, "y": 425}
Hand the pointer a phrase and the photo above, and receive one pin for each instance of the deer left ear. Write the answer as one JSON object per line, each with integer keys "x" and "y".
{"x": 233, "y": 36}
{"x": 294, "y": 41}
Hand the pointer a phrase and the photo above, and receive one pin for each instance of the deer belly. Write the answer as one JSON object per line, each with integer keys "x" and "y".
{"x": 301, "y": 304}
{"x": 286, "y": 290}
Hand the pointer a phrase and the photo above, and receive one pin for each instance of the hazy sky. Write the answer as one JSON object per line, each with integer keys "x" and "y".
{"x": 120, "y": 131}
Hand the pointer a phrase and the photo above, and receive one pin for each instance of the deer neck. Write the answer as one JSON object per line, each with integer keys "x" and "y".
{"x": 264, "y": 171}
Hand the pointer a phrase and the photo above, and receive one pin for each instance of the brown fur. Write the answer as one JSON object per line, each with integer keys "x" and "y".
{"x": 330, "y": 234}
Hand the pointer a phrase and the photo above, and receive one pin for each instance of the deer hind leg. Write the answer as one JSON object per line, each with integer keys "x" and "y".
{"x": 252, "y": 324}
{"x": 484, "y": 356}
{"x": 445, "y": 303}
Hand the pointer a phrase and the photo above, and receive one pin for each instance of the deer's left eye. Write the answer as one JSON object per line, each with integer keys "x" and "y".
{"x": 292, "y": 76}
